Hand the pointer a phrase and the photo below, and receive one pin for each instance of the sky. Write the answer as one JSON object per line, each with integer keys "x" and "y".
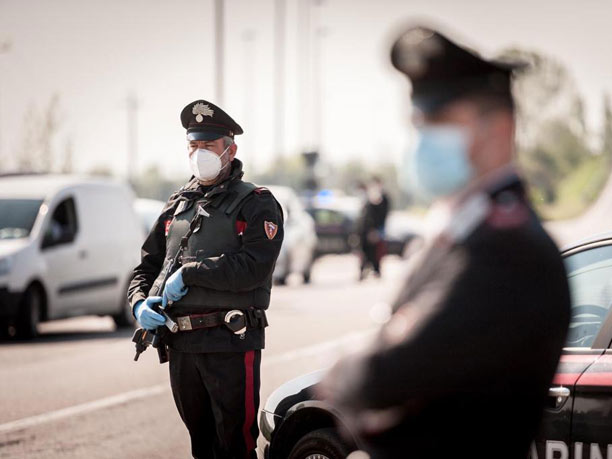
{"x": 94, "y": 54}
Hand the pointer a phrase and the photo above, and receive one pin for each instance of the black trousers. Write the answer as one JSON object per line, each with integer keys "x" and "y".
{"x": 217, "y": 396}
{"x": 371, "y": 253}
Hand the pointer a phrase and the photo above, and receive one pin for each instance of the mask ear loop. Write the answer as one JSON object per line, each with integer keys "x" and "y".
{"x": 221, "y": 155}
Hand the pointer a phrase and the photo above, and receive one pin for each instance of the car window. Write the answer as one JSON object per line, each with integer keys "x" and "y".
{"x": 325, "y": 217}
{"x": 590, "y": 282}
{"x": 63, "y": 226}
{"x": 17, "y": 217}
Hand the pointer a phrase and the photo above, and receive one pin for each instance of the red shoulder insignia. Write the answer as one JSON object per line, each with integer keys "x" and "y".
{"x": 241, "y": 226}
{"x": 270, "y": 229}
{"x": 508, "y": 215}
{"x": 262, "y": 190}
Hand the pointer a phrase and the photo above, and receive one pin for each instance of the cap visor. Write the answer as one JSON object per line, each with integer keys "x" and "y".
{"x": 199, "y": 135}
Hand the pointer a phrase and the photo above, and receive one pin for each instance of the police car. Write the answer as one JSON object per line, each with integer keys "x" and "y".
{"x": 577, "y": 421}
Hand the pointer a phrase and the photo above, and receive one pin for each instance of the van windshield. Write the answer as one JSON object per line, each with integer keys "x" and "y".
{"x": 17, "y": 217}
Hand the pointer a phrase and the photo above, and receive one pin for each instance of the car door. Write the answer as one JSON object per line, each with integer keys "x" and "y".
{"x": 107, "y": 224}
{"x": 592, "y": 414}
{"x": 577, "y": 414}
{"x": 64, "y": 259}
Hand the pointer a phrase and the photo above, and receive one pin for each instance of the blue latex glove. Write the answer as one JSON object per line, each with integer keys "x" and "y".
{"x": 175, "y": 288}
{"x": 147, "y": 317}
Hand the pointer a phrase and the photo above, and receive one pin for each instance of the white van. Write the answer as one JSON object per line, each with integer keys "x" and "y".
{"x": 68, "y": 246}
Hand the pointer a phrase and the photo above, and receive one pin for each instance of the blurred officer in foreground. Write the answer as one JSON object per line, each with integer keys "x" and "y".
{"x": 229, "y": 234}
{"x": 372, "y": 227}
{"x": 463, "y": 366}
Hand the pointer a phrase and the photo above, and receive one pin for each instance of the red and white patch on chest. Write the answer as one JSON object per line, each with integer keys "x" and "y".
{"x": 167, "y": 226}
{"x": 241, "y": 226}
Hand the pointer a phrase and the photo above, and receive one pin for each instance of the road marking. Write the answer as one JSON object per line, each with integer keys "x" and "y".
{"x": 82, "y": 408}
{"x": 352, "y": 339}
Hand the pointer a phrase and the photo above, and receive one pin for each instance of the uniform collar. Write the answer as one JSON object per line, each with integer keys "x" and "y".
{"x": 455, "y": 218}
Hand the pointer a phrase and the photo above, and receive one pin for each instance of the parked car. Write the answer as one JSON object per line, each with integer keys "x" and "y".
{"x": 299, "y": 244}
{"x": 400, "y": 229}
{"x": 68, "y": 246}
{"x": 336, "y": 224}
{"x": 576, "y": 422}
{"x": 336, "y": 221}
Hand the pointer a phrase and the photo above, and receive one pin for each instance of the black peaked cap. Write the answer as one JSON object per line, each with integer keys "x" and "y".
{"x": 206, "y": 121}
{"x": 441, "y": 70}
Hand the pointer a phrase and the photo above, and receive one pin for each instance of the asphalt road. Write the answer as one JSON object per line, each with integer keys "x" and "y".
{"x": 76, "y": 392}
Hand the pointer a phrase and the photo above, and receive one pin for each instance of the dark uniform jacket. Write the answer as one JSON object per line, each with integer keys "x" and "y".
{"x": 373, "y": 215}
{"x": 227, "y": 263}
{"x": 463, "y": 366}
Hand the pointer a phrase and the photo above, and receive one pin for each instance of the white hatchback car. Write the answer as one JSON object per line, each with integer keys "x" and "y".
{"x": 297, "y": 253}
{"x": 68, "y": 246}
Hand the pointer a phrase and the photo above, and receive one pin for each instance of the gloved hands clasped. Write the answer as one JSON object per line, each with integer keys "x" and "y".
{"x": 175, "y": 288}
{"x": 146, "y": 316}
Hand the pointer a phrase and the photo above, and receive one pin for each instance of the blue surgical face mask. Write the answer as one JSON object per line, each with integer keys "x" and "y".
{"x": 439, "y": 165}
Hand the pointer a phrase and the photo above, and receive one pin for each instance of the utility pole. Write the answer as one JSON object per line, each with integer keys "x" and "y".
{"x": 279, "y": 72}
{"x": 219, "y": 49}
{"x": 5, "y": 47}
{"x": 132, "y": 136}
{"x": 249, "y": 38}
{"x": 303, "y": 70}
{"x": 318, "y": 110}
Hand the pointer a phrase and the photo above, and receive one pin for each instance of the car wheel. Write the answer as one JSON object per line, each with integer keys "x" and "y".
{"x": 124, "y": 318}
{"x": 320, "y": 444}
{"x": 281, "y": 280}
{"x": 307, "y": 274}
{"x": 29, "y": 313}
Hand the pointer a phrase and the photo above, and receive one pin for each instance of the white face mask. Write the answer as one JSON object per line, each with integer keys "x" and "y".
{"x": 206, "y": 165}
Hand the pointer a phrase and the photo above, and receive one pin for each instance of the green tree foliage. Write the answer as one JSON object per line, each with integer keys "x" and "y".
{"x": 286, "y": 171}
{"x": 152, "y": 184}
{"x": 606, "y": 141}
{"x": 553, "y": 145}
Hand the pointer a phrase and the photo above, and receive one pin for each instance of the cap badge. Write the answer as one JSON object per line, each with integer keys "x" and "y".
{"x": 271, "y": 229}
{"x": 201, "y": 110}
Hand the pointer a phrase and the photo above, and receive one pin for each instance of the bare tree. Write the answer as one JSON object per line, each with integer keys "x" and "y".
{"x": 40, "y": 129}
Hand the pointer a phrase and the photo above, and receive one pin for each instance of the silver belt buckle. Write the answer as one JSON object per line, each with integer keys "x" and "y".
{"x": 184, "y": 323}
{"x": 228, "y": 318}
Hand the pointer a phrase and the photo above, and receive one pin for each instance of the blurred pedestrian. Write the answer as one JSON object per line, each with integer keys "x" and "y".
{"x": 463, "y": 366}
{"x": 228, "y": 234}
{"x": 372, "y": 226}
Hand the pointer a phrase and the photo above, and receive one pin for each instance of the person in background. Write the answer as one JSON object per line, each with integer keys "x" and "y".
{"x": 371, "y": 226}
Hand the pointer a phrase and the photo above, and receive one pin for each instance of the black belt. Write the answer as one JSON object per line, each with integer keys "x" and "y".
{"x": 236, "y": 320}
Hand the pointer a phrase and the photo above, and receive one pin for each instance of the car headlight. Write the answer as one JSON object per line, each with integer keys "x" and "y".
{"x": 5, "y": 265}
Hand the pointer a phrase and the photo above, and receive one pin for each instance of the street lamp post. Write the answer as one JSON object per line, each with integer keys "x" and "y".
{"x": 219, "y": 49}
{"x": 5, "y": 47}
{"x": 132, "y": 136}
{"x": 279, "y": 72}
{"x": 249, "y": 37}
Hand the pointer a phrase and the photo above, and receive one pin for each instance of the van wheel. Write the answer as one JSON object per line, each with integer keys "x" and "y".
{"x": 281, "y": 280}
{"x": 29, "y": 313}
{"x": 124, "y": 318}
{"x": 320, "y": 444}
{"x": 308, "y": 272}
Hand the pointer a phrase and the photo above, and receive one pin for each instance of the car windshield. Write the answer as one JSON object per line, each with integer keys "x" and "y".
{"x": 590, "y": 281}
{"x": 17, "y": 217}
